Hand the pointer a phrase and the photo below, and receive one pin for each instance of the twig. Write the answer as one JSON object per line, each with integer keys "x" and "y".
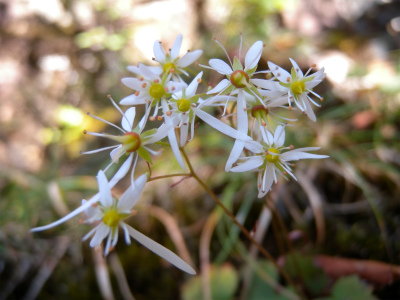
{"x": 102, "y": 274}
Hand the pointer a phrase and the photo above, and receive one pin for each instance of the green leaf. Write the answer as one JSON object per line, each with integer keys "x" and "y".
{"x": 223, "y": 280}
{"x": 302, "y": 268}
{"x": 259, "y": 289}
{"x": 145, "y": 135}
{"x": 350, "y": 288}
{"x": 143, "y": 153}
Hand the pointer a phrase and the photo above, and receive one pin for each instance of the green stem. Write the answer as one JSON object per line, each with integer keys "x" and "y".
{"x": 242, "y": 228}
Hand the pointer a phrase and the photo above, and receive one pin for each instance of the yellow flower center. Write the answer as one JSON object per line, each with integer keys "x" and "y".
{"x": 298, "y": 88}
{"x": 272, "y": 158}
{"x": 239, "y": 79}
{"x": 169, "y": 67}
{"x": 157, "y": 90}
{"x": 111, "y": 218}
{"x": 131, "y": 141}
{"x": 183, "y": 105}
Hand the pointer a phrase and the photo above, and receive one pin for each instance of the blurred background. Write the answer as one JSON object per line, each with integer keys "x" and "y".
{"x": 60, "y": 59}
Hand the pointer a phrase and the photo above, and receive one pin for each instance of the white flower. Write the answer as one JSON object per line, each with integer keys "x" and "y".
{"x": 238, "y": 77}
{"x": 269, "y": 159}
{"x": 149, "y": 87}
{"x": 170, "y": 62}
{"x": 297, "y": 86}
{"x": 133, "y": 142}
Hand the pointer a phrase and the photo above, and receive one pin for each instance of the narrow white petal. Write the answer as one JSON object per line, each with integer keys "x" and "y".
{"x": 221, "y": 126}
{"x": 133, "y": 100}
{"x": 72, "y": 214}
{"x": 268, "y": 84}
{"x": 279, "y": 73}
{"x": 160, "y": 251}
{"x": 270, "y": 138}
{"x": 297, "y": 69}
{"x": 242, "y": 119}
{"x": 184, "y": 130}
{"x": 159, "y": 53}
{"x": 253, "y": 55}
{"x": 192, "y": 87}
{"x": 250, "y": 164}
{"x": 189, "y": 58}
{"x": 279, "y": 136}
{"x": 89, "y": 234}
{"x": 126, "y": 233}
{"x": 104, "y": 189}
{"x": 132, "y": 194}
{"x": 223, "y": 84}
{"x": 309, "y": 110}
{"x": 176, "y": 47}
{"x": 128, "y": 119}
{"x": 234, "y": 155}
{"x": 122, "y": 171}
{"x": 296, "y": 155}
{"x": 101, "y": 232}
{"x": 172, "y": 136}
{"x": 220, "y": 66}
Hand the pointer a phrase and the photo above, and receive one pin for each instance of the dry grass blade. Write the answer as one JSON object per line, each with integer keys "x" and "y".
{"x": 47, "y": 268}
{"x": 173, "y": 230}
{"x": 102, "y": 274}
{"x": 316, "y": 203}
{"x": 121, "y": 278}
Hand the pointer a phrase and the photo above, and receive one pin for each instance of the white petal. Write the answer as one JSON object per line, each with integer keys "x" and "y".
{"x": 221, "y": 126}
{"x": 189, "y": 58}
{"x": 156, "y": 70}
{"x": 270, "y": 138}
{"x": 279, "y": 73}
{"x": 133, "y": 100}
{"x": 254, "y": 147}
{"x": 268, "y": 84}
{"x": 184, "y": 130}
{"x": 132, "y": 194}
{"x": 126, "y": 233}
{"x": 172, "y": 136}
{"x": 268, "y": 179}
{"x": 93, "y": 213}
{"x": 296, "y": 155}
{"x": 176, "y": 47}
{"x": 279, "y": 136}
{"x": 122, "y": 171}
{"x": 234, "y": 155}
{"x": 242, "y": 118}
{"x": 297, "y": 69}
{"x": 133, "y": 83}
{"x": 102, "y": 231}
{"x": 146, "y": 71}
{"x": 72, "y": 214}
{"x": 133, "y": 69}
{"x": 159, "y": 53}
{"x": 309, "y": 110}
{"x": 104, "y": 189}
{"x": 160, "y": 251}
{"x": 224, "y": 83}
{"x": 127, "y": 120}
{"x": 220, "y": 66}
{"x": 250, "y": 164}
{"x": 192, "y": 87}
{"x": 253, "y": 55}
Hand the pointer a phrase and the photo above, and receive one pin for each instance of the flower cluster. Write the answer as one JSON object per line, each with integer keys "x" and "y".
{"x": 250, "y": 97}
